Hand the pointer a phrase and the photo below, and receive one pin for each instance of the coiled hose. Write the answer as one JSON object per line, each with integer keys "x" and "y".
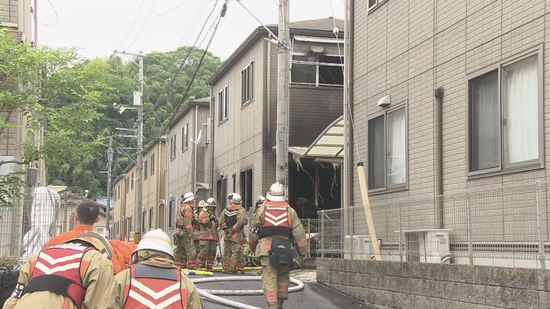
{"x": 210, "y": 294}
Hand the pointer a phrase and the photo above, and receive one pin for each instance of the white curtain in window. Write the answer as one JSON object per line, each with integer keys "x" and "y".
{"x": 484, "y": 122}
{"x": 397, "y": 147}
{"x": 521, "y": 121}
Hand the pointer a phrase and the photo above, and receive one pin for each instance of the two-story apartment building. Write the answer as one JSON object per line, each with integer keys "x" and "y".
{"x": 243, "y": 111}
{"x": 187, "y": 157}
{"x": 154, "y": 190}
{"x": 449, "y": 97}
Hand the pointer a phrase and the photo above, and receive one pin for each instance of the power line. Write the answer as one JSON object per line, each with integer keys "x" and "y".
{"x": 222, "y": 14}
{"x": 188, "y": 33}
{"x": 56, "y": 16}
{"x": 142, "y": 25}
{"x": 256, "y": 18}
{"x": 170, "y": 9}
{"x": 183, "y": 62}
{"x": 133, "y": 23}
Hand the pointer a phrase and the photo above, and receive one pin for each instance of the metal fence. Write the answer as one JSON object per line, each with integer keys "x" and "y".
{"x": 507, "y": 226}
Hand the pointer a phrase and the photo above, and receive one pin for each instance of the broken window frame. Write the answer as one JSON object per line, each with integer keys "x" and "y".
{"x": 317, "y": 65}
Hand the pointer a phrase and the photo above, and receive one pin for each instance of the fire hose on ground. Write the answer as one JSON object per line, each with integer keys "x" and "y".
{"x": 212, "y": 294}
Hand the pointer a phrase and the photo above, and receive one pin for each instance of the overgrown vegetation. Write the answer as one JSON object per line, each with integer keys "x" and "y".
{"x": 72, "y": 100}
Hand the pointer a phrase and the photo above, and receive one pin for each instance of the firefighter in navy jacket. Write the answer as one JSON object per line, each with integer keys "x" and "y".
{"x": 274, "y": 227}
{"x": 152, "y": 281}
{"x": 73, "y": 274}
{"x": 232, "y": 220}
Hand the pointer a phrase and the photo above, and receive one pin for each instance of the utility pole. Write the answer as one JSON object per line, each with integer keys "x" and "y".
{"x": 138, "y": 102}
{"x": 139, "y": 162}
{"x": 109, "y": 184}
{"x": 283, "y": 94}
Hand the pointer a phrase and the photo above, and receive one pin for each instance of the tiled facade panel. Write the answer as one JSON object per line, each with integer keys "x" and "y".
{"x": 9, "y": 11}
{"x": 408, "y": 48}
{"x": 239, "y": 141}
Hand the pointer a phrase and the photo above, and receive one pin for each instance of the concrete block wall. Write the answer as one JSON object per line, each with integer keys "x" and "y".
{"x": 420, "y": 285}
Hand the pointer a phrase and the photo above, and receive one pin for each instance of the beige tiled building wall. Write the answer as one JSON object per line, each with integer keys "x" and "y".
{"x": 239, "y": 141}
{"x": 154, "y": 168}
{"x": 407, "y": 49}
{"x": 179, "y": 164}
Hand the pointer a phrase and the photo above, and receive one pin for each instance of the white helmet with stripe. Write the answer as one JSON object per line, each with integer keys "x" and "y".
{"x": 277, "y": 193}
{"x": 156, "y": 240}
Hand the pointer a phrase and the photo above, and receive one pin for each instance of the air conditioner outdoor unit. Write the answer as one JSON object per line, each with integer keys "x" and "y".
{"x": 428, "y": 245}
{"x": 357, "y": 247}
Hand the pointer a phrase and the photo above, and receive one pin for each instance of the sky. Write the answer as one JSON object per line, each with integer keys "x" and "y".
{"x": 97, "y": 28}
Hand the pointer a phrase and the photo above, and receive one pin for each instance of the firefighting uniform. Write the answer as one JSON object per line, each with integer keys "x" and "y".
{"x": 185, "y": 253}
{"x": 232, "y": 220}
{"x": 196, "y": 231}
{"x": 208, "y": 239}
{"x": 280, "y": 220}
{"x": 68, "y": 275}
{"x": 154, "y": 282}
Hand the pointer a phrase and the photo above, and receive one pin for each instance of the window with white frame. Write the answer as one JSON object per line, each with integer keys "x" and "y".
{"x": 223, "y": 106}
{"x": 372, "y": 4}
{"x": 247, "y": 84}
{"x": 185, "y": 137}
{"x": 504, "y": 109}
{"x": 387, "y": 147}
{"x": 317, "y": 70}
{"x": 173, "y": 147}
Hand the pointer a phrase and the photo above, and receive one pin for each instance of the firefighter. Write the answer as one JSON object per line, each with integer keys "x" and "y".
{"x": 272, "y": 230}
{"x": 232, "y": 220}
{"x": 260, "y": 200}
{"x": 153, "y": 281}
{"x": 186, "y": 253}
{"x": 208, "y": 234}
{"x": 73, "y": 274}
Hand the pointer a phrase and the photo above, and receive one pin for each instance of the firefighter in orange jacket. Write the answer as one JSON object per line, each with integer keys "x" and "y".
{"x": 153, "y": 281}
{"x": 232, "y": 220}
{"x": 208, "y": 233}
{"x": 272, "y": 231}
{"x": 73, "y": 274}
{"x": 186, "y": 253}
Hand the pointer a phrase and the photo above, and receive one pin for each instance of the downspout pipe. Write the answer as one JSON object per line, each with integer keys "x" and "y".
{"x": 439, "y": 93}
{"x": 196, "y": 134}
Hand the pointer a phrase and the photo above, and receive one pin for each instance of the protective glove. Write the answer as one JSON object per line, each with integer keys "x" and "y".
{"x": 297, "y": 262}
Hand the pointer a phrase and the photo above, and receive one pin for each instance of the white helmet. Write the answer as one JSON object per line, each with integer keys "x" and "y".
{"x": 260, "y": 199}
{"x": 156, "y": 240}
{"x": 276, "y": 193}
{"x": 202, "y": 203}
{"x": 211, "y": 202}
{"x": 236, "y": 198}
{"x": 230, "y": 196}
{"x": 189, "y": 197}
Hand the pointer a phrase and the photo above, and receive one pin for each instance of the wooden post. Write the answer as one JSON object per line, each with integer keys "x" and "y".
{"x": 368, "y": 212}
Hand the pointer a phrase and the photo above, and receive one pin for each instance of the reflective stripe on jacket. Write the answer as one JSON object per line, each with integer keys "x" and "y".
{"x": 155, "y": 287}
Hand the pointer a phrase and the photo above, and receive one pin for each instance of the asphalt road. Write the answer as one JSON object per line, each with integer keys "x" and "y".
{"x": 312, "y": 296}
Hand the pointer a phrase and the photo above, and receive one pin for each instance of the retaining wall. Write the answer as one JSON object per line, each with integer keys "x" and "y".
{"x": 421, "y": 285}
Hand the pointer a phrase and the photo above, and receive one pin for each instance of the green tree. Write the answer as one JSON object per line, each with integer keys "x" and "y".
{"x": 72, "y": 99}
